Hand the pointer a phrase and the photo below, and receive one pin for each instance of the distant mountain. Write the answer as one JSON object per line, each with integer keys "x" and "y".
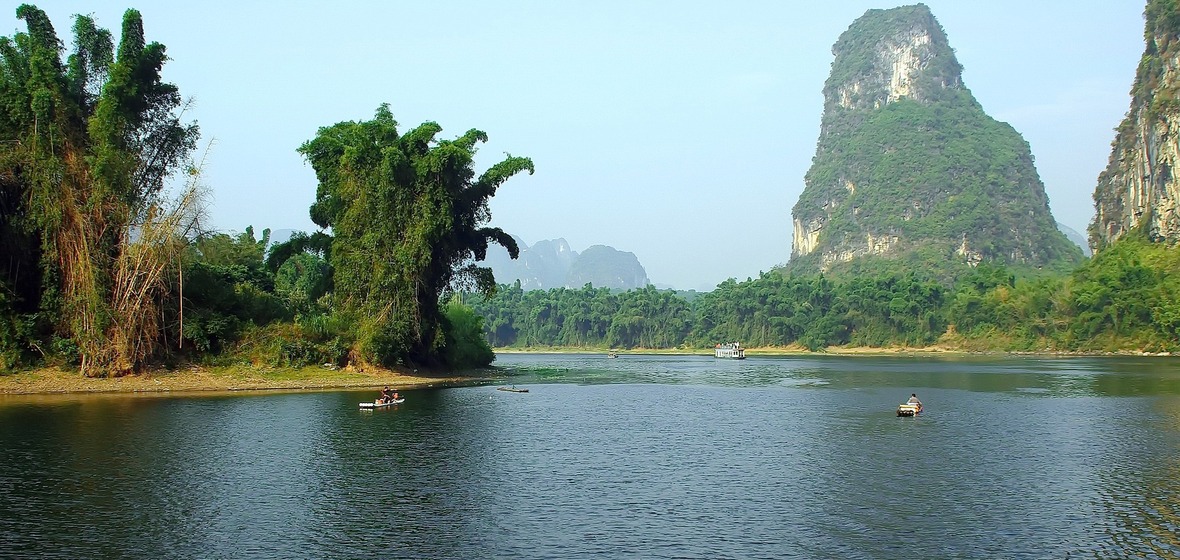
{"x": 279, "y": 235}
{"x": 552, "y": 264}
{"x": 1077, "y": 238}
{"x": 606, "y": 267}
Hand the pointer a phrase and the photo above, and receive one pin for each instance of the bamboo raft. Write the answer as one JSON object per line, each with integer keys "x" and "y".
{"x": 909, "y": 409}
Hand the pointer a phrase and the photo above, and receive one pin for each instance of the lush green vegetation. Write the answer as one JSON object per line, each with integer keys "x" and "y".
{"x": 86, "y": 145}
{"x": 931, "y": 170}
{"x": 390, "y": 273}
{"x": 102, "y": 271}
{"x": 1126, "y": 299}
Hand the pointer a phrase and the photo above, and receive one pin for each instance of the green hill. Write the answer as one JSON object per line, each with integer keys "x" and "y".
{"x": 909, "y": 172}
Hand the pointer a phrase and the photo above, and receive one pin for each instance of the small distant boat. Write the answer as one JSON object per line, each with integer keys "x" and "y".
{"x": 909, "y": 409}
{"x": 512, "y": 389}
{"x": 612, "y": 354}
{"x": 379, "y": 404}
{"x": 731, "y": 350}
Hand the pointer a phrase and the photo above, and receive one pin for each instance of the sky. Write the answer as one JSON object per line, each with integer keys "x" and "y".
{"x": 679, "y": 130}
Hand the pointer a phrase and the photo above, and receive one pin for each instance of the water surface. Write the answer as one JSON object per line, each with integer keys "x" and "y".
{"x": 631, "y": 457}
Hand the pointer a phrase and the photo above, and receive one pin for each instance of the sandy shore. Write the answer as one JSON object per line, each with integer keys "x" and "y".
{"x": 226, "y": 379}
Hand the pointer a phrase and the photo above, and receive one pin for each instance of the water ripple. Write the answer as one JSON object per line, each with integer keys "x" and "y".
{"x": 644, "y": 457}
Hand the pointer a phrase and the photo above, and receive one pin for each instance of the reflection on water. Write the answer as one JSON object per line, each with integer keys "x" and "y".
{"x": 638, "y": 456}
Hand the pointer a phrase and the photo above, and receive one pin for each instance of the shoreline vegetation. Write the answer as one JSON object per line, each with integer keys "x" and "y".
{"x": 194, "y": 380}
{"x": 95, "y": 139}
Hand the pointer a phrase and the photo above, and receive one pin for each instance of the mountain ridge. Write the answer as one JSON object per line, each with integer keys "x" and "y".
{"x": 551, "y": 263}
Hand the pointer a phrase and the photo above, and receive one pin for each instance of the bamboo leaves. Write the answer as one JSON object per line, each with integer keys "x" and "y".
{"x": 408, "y": 219}
{"x": 88, "y": 146}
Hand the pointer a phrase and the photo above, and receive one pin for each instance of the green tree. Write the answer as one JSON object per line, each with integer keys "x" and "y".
{"x": 227, "y": 287}
{"x": 407, "y": 215}
{"x": 466, "y": 345}
{"x": 85, "y": 148}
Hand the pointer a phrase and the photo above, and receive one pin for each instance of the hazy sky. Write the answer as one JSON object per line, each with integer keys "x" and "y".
{"x": 676, "y": 130}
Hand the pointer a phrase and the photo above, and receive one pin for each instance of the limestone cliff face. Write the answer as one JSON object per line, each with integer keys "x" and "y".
{"x": 1139, "y": 188}
{"x": 910, "y": 59}
{"x": 908, "y": 166}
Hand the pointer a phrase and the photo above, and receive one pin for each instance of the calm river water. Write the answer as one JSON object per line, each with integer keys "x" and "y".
{"x": 632, "y": 457}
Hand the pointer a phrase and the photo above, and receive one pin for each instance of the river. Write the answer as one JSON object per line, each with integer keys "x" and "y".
{"x": 629, "y": 457}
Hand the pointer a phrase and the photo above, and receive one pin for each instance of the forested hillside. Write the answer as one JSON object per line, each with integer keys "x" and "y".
{"x": 909, "y": 168}
{"x": 103, "y": 273}
{"x": 1127, "y": 299}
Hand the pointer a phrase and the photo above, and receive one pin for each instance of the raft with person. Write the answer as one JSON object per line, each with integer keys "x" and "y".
{"x": 909, "y": 409}
{"x": 382, "y": 404}
{"x": 387, "y": 399}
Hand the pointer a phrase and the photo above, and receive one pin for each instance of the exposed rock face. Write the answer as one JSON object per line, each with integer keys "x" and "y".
{"x": 894, "y": 68}
{"x": 1139, "y": 188}
{"x": 909, "y": 167}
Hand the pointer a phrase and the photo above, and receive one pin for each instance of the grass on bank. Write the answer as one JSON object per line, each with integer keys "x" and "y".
{"x": 229, "y": 378}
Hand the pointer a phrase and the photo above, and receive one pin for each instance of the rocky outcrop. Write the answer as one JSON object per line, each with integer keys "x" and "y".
{"x": 1139, "y": 188}
{"x": 908, "y": 166}
{"x": 910, "y": 59}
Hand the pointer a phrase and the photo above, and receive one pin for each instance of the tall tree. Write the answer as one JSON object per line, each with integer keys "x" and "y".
{"x": 85, "y": 149}
{"x": 408, "y": 217}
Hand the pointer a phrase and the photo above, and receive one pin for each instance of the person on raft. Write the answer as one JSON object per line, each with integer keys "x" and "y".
{"x": 914, "y": 399}
{"x": 385, "y": 396}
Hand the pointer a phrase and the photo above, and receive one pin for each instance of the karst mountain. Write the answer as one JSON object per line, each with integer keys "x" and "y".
{"x": 910, "y": 172}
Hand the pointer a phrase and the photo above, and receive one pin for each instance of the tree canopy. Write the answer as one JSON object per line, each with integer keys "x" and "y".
{"x": 86, "y": 145}
{"x": 407, "y": 215}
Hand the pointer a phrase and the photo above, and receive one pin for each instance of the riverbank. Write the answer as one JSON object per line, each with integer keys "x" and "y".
{"x": 228, "y": 379}
{"x": 316, "y": 378}
{"x": 796, "y": 350}
{"x": 750, "y": 351}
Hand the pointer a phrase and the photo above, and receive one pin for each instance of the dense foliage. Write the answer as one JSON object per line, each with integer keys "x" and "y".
{"x": 86, "y": 145}
{"x": 407, "y": 216}
{"x": 1126, "y": 299}
{"x": 99, "y": 270}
